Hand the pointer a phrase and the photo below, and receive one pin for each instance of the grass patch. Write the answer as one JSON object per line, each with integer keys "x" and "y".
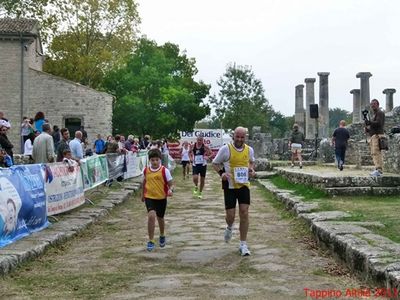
{"x": 276, "y": 204}
{"x": 382, "y": 209}
{"x": 306, "y": 191}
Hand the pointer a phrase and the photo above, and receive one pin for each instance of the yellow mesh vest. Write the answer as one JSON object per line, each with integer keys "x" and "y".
{"x": 238, "y": 159}
{"x": 155, "y": 187}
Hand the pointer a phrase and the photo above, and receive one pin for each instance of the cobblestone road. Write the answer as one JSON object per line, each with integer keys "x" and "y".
{"x": 109, "y": 261}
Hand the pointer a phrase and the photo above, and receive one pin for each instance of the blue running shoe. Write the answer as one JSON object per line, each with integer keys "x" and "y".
{"x": 162, "y": 241}
{"x": 150, "y": 246}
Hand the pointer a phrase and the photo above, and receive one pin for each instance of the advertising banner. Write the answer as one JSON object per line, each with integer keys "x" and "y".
{"x": 135, "y": 163}
{"x": 213, "y": 138}
{"x": 65, "y": 189}
{"x": 116, "y": 165}
{"x": 22, "y": 201}
{"x": 94, "y": 171}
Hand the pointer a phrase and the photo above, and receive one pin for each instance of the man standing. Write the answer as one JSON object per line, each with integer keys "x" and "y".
{"x": 43, "y": 146}
{"x": 198, "y": 155}
{"x": 99, "y": 145}
{"x": 63, "y": 145}
{"x": 339, "y": 140}
{"x": 296, "y": 143}
{"x": 234, "y": 163}
{"x": 76, "y": 146}
{"x": 374, "y": 127}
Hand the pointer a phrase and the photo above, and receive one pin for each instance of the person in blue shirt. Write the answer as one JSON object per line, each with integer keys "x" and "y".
{"x": 39, "y": 121}
{"x": 76, "y": 146}
{"x": 99, "y": 145}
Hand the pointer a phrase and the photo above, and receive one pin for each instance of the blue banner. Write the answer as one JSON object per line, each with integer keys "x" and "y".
{"x": 22, "y": 201}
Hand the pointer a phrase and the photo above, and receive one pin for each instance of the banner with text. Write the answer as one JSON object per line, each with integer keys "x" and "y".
{"x": 135, "y": 163}
{"x": 94, "y": 171}
{"x": 213, "y": 138}
{"x": 64, "y": 188}
{"x": 22, "y": 202}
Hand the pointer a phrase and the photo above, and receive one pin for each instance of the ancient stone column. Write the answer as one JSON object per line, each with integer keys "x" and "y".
{"x": 299, "y": 109}
{"x": 364, "y": 89}
{"x": 389, "y": 98}
{"x": 310, "y": 98}
{"x": 356, "y": 106}
{"x": 323, "y": 104}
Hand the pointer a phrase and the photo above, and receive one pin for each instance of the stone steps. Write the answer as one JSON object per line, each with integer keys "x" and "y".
{"x": 348, "y": 182}
{"x": 364, "y": 190}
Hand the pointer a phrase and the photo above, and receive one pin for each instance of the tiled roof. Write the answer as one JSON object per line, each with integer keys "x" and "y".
{"x": 8, "y": 25}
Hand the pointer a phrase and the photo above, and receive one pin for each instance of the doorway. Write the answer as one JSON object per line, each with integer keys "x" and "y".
{"x": 73, "y": 124}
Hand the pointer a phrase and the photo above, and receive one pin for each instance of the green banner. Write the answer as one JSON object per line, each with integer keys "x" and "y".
{"x": 94, "y": 171}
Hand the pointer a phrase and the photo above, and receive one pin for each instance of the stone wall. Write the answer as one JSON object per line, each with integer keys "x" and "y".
{"x": 391, "y": 158}
{"x": 10, "y": 85}
{"x": 59, "y": 99}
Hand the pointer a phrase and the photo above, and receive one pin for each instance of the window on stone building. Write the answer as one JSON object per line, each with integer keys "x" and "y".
{"x": 73, "y": 124}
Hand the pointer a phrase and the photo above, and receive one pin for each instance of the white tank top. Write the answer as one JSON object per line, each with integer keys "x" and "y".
{"x": 185, "y": 154}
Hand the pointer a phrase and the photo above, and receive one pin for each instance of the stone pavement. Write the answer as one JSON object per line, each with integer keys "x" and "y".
{"x": 110, "y": 260}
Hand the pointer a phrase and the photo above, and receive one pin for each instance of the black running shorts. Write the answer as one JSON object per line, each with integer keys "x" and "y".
{"x": 159, "y": 206}
{"x": 241, "y": 195}
{"x": 185, "y": 163}
{"x": 199, "y": 169}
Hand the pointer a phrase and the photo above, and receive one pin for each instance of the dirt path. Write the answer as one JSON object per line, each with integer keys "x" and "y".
{"x": 109, "y": 261}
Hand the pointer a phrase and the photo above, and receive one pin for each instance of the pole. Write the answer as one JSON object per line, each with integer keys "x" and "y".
{"x": 316, "y": 139}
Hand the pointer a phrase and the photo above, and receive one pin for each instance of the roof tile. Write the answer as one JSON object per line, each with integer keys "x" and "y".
{"x": 8, "y": 25}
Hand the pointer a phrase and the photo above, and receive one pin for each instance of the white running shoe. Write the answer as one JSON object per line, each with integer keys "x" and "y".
{"x": 244, "y": 251}
{"x": 227, "y": 235}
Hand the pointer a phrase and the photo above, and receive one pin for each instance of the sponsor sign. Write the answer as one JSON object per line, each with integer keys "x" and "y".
{"x": 94, "y": 171}
{"x": 213, "y": 138}
{"x": 22, "y": 202}
{"x": 65, "y": 189}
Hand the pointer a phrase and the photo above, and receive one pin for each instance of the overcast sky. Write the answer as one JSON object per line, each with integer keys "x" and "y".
{"x": 286, "y": 41}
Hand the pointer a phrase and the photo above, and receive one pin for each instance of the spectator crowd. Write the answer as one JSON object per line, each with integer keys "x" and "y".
{"x": 45, "y": 144}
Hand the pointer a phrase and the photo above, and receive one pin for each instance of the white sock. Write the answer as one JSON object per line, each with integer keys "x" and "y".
{"x": 229, "y": 227}
{"x": 243, "y": 243}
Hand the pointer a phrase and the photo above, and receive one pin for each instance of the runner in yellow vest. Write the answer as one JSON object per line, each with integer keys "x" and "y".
{"x": 235, "y": 164}
{"x": 157, "y": 186}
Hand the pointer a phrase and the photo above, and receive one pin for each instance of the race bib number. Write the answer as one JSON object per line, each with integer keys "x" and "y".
{"x": 198, "y": 160}
{"x": 241, "y": 175}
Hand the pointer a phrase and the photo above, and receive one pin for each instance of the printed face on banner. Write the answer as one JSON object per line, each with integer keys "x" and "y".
{"x": 10, "y": 204}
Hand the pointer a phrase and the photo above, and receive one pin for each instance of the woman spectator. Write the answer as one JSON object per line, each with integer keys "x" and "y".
{"x": 4, "y": 142}
{"x": 39, "y": 121}
{"x": 135, "y": 146}
{"x": 28, "y": 146}
{"x": 26, "y": 128}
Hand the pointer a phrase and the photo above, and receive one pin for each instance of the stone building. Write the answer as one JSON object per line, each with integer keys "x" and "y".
{"x": 26, "y": 89}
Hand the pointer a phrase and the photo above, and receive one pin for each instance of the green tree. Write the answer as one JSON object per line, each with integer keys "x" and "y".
{"x": 155, "y": 91}
{"x": 241, "y": 100}
{"x": 84, "y": 38}
{"x": 279, "y": 124}
{"x": 337, "y": 114}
